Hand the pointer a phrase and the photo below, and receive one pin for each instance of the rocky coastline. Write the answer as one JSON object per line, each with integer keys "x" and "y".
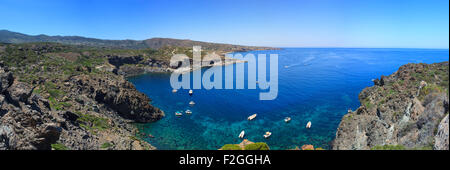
{"x": 406, "y": 110}
{"x": 67, "y": 102}
{"x": 129, "y": 66}
{"x": 29, "y": 121}
{"x": 55, "y": 96}
{"x": 65, "y": 97}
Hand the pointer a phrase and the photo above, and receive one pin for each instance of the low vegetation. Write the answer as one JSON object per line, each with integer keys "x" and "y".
{"x": 389, "y": 147}
{"x": 58, "y": 146}
{"x": 257, "y": 146}
{"x": 92, "y": 122}
{"x": 231, "y": 147}
{"x": 251, "y": 146}
{"x": 106, "y": 145}
{"x": 400, "y": 147}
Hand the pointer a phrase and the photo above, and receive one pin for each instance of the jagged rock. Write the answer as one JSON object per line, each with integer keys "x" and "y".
{"x": 398, "y": 110}
{"x": 244, "y": 143}
{"x": 307, "y": 147}
{"x": 441, "y": 138}
{"x": 120, "y": 95}
{"x": 121, "y": 60}
{"x": 48, "y": 135}
{"x": 379, "y": 82}
{"x": 70, "y": 116}
{"x": 19, "y": 92}
{"x": 28, "y": 121}
{"x": 6, "y": 79}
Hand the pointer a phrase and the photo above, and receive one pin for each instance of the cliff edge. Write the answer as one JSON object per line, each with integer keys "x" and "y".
{"x": 59, "y": 97}
{"x": 408, "y": 110}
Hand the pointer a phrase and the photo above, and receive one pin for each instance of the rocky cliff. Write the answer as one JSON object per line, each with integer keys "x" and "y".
{"x": 51, "y": 98}
{"x": 405, "y": 109}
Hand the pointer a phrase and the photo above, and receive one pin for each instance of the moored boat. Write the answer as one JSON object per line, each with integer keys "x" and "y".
{"x": 287, "y": 119}
{"x": 308, "y": 125}
{"x": 251, "y": 117}
{"x": 192, "y": 103}
{"x": 241, "y": 135}
{"x": 188, "y": 112}
{"x": 267, "y": 135}
{"x": 177, "y": 113}
{"x": 191, "y": 92}
{"x": 174, "y": 90}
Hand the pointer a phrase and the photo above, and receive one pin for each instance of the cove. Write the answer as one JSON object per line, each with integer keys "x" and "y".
{"x": 315, "y": 84}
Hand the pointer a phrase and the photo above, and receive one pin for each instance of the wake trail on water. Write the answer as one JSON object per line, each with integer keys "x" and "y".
{"x": 305, "y": 62}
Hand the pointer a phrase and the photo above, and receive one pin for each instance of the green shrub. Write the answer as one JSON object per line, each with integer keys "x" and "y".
{"x": 431, "y": 88}
{"x": 106, "y": 145}
{"x": 91, "y": 122}
{"x": 367, "y": 103}
{"x": 423, "y": 148}
{"x": 65, "y": 104}
{"x": 134, "y": 138}
{"x": 59, "y": 146}
{"x": 257, "y": 146}
{"x": 389, "y": 147}
{"x": 55, "y": 93}
{"x": 231, "y": 147}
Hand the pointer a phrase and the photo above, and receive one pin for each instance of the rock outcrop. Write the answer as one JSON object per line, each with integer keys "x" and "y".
{"x": 404, "y": 109}
{"x": 25, "y": 119}
{"x": 97, "y": 118}
{"x": 119, "y": 95}
{"x": 246, "y": 145}
{"x": 441, "y": 138}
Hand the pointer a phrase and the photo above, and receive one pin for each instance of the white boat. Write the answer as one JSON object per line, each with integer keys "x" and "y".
{"x": 267, "y": 135}
{"x": 241, "y": 135}
{"x": 287, "y": 119}
{"x": 191, "y": 92}
{"x": 188, "y": 112}
{"x": 252, "y": 117}
{"x": 192, "y": 103}
{"x": 174, "y": 90}
{"x": 177, "y": 113}
{"x": 308, "y": 125}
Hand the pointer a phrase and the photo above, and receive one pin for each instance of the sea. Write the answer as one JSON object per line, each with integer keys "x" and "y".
{"x": 316, "y": 85}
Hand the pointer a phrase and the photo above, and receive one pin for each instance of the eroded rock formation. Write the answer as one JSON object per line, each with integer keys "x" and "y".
{"x": 405, "y": 108}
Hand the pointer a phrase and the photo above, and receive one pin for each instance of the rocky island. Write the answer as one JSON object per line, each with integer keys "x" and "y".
{"x": 406, "y": 110}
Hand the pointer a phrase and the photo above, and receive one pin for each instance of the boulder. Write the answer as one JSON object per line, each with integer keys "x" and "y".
{"x": 441, "y": 138}
{"x": 307, "y": 147}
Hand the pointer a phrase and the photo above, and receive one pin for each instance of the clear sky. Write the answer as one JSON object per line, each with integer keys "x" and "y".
{"x": 280, "y": 23}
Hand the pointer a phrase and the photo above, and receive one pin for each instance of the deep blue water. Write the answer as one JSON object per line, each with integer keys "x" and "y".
{"x": 315, "y": 84}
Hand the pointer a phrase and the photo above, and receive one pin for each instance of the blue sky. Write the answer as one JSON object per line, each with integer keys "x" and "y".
{"x": 281, "y": 23}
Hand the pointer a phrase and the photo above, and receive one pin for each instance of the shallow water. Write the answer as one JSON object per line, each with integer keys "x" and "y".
{"x": 315, "y": 84}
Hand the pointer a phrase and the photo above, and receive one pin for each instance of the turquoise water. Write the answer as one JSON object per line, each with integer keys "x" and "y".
{"x": 315, "y": 84}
